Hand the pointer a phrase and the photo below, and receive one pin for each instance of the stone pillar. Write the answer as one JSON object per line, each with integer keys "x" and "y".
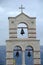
{"x": 23, "y": 58}
{"x": 37, "y": 60}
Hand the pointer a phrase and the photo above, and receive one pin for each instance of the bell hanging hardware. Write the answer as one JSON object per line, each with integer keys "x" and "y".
{"x": 22, "y": 31}
{"x": 29, "y": 54}
{"x": 17, "y": 54}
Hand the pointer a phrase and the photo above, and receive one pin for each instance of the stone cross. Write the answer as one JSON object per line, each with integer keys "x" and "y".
{"x": 21, "y": 8}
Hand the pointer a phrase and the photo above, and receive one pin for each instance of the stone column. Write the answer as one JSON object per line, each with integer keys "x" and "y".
{"x": 23, "y": 58}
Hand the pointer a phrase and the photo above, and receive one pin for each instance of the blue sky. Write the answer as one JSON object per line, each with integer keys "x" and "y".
{"x": 11, "y": 8}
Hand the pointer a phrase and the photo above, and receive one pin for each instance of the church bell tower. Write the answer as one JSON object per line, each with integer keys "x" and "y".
{"x": 22, "y": 43}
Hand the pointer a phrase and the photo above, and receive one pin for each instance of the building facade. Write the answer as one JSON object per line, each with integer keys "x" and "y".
{"x": 22, "y": 36}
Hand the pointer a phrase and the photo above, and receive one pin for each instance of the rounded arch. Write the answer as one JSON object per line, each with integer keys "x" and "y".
{"x": 23, "y": 23}
{"x": 17, "y": 55}
{"x": 29, "y": 55}
{"x": 30, "y": 47}
{"x": 22, "y": 30}
{"x": 17, "y": 47}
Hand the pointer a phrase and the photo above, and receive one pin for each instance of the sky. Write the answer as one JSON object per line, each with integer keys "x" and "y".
{"x": 11, "y": 8}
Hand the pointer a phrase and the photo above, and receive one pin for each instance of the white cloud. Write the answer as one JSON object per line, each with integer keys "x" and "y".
{"x": 2, "y": 9}
{"x": 12, "y": 13}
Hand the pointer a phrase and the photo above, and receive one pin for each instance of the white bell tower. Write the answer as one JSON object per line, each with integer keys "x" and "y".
{"x": 22, "y": 37}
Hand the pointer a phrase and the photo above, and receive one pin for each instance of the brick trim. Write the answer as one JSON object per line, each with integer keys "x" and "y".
{"x": 12, "y": 37}
{"x": 31, "y": 37}
{"x": 31, "y": 28}
{"x": 12, "y": 32}
{"x": 9, "y": 58}
{"x": 12, "y": 51}
{"x": 36, "y": 58}
{"x": 31, "y": 32}
{"x": 23, "y": 27}
{"x": 12, "y": 28}
{"x": 16, "y": 33}
{"x": 16, "y": 37}
{"x": 37, "y": 51}
{"x": 9, "y": 51}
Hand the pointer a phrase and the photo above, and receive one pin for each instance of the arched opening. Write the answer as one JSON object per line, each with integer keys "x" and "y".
{"x": 17, "y": 55}
{"x": 29, "y": 55}
{"x": 22, "y": 31}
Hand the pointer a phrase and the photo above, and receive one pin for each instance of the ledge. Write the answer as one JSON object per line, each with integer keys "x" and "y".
{"x": 26, "y": 39}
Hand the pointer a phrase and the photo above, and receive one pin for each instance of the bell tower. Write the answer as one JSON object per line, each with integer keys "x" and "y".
{"x": 22, "y": 40}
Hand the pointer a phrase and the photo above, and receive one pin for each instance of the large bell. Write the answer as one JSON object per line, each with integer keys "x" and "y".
{"x": 29, "y": 54}
{"x": 22, "y": 31}
{"x": 17, "y": 53}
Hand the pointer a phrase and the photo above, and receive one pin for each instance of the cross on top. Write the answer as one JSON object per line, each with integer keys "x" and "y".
{"x": 21, "y": 8}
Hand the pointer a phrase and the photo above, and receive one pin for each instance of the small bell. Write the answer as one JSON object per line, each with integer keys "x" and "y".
{"x": 22, "y": 31}
{"x": 29, "y": 54}
{"x": 17, "y": 53}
